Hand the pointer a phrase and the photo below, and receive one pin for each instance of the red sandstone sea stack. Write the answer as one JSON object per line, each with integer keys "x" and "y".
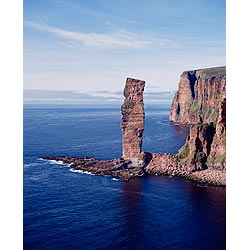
{"x": 132, "y": 123}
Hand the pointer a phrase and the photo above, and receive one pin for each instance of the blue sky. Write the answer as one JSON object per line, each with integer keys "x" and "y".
{"x": 94, "y": 45}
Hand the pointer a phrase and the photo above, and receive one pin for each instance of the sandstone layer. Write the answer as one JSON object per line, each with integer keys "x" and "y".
{"x": 201, "y": 101}
{"x": 132, "y": 123}
{"x": 217, "y": 156}
{"x": 199, "y": 96}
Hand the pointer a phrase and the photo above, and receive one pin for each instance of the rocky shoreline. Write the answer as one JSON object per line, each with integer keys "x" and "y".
{"x": 119, "y": 168}
{"x": 125, "y": 169}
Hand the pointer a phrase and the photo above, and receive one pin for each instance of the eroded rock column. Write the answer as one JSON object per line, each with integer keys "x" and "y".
{"x": 132, "y": 122}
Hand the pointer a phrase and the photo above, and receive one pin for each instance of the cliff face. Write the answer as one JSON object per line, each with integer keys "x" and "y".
{"x": 132, "y": 122}
{"x": 205, "y": 147}
{"x": 201, "y": 101}
{"x": 199, "y": 96}
{"x": 217, "y": 156}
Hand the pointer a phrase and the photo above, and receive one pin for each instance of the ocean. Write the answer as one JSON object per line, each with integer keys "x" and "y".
{"x": 66, "y": 209}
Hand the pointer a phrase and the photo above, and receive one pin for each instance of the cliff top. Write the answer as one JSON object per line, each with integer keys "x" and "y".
{"x": 207, "y": 72}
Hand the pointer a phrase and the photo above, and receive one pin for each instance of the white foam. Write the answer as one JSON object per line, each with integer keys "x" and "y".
{"x": 31, "y": 164}
{"x": 86, "y": 172}
{"x": 114, "y": 179}
{"x": 81, "y": 171}
{"x": 34, "y": 178}
{"x": 55, "y": 162}
{"x": 41, "y": 159}
{"x": 76, "y": 171}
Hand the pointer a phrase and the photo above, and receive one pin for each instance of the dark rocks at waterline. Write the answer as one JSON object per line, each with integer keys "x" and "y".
{"x": 119, "y": 168}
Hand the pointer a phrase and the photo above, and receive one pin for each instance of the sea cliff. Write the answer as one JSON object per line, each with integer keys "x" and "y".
{"x": 205, "y": 146}
{"x": 201, "y": 102}
{"x": 199, "y": 95}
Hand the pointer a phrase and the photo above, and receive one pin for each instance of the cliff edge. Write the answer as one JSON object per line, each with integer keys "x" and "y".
{"x": 199, "y": 95}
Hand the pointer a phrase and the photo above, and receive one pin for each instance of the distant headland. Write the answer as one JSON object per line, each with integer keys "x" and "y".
{"x": 200, "y": 102}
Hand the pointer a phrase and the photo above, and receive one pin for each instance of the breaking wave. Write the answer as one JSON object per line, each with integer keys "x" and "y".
{"x": 81, "y": 171}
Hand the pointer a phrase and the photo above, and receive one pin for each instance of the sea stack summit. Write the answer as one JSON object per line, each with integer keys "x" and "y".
{"x": 132, "y": 123}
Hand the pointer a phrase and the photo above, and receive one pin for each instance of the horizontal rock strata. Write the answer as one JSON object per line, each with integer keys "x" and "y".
{"x": 132, "y": 122}
{"x": 199, "y": 96}
{"x": 201, "y": 101}
{"x": 217, "y": 156}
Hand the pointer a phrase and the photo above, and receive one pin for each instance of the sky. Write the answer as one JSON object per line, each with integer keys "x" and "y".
{"x": 81, "y": 49}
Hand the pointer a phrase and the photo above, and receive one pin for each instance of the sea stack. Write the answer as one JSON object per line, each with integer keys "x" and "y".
{"x": 132, "y": 123}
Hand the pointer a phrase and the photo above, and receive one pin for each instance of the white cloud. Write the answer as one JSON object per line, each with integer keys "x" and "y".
{"x": 115, "y": 38}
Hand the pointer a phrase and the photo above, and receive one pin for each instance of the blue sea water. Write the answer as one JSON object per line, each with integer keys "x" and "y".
{"x": 72, "y": 210}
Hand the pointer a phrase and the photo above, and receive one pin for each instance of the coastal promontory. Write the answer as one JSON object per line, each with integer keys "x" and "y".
{"x": 200, "y": 102}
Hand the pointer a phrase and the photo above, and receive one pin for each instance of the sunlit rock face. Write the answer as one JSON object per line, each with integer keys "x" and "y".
{"x": 201, "y": 101}
{"x": 199, "y": 96}
{"x": 132, "y": 122}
